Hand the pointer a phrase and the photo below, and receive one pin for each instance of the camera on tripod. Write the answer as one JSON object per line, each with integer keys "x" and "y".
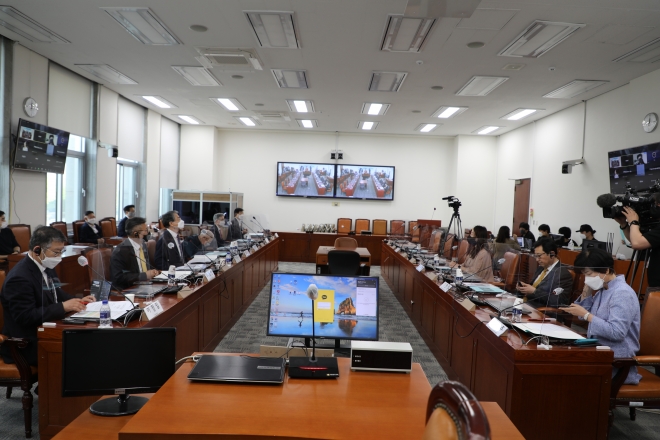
{"x": 453, "y": 202}
{"x": 642, "y": 204}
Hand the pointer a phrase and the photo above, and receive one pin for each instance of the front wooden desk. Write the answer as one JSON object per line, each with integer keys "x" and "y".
{"x": 201, "y": 319}
{"x": 548, "y": 394}
{"x": 301, "y": 247}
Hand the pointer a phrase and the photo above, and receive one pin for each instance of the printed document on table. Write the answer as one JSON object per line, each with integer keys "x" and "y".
{"x": 117, "y": 309}
{"x": 549, "y": 330}
{"x": 179, "y": 274}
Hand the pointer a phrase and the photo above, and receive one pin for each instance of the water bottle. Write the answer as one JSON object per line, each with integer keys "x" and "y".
{"x": 105, "y": 321}
{"x": 516, "y": 313}
{"x": 458, "y": 278}
{"x": 171, "y": 276}
{"x": 228, "y": 259}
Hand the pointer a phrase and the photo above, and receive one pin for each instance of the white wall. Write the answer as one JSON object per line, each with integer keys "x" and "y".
{"x": 196, "y": 158}
{"x": 152, "y": 156}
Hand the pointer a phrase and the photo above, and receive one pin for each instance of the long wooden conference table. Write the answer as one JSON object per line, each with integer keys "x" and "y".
{"x": 201, "y": 320}
{"x": 562, "y": 393}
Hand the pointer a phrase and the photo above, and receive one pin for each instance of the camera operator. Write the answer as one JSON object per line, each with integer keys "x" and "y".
{"x": 647, "y": 240}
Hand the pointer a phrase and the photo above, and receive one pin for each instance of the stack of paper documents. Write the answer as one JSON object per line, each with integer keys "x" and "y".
{"x": 549, "y": 330}
{"x": 117, "y": 309}
{"x": 180, "y": 274}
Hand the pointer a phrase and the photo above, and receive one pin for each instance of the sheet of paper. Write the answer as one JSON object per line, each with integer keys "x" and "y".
{"x": 117, "y": 309}
{"x": 202, "y": 259}
{"x": 179, "y": 274}
{"x": 549, "y": 330}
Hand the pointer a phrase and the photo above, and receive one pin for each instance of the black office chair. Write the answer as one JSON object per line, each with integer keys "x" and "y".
{"x": 343, "y": 262}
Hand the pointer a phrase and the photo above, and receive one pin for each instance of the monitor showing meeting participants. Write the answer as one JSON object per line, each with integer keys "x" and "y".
{"x": 295, "y": 179}
{"x": 371, "y": 182}
{"x": 40, "y": 148}
{"x": 346, "y": 306}
{"x": 638, "y": 166}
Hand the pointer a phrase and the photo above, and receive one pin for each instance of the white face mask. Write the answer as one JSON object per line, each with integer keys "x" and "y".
{"x": 3, "y": 225}
{"x": 131, "y": 214}
{"x": 595, "y": 283}
{"x": 240, "y": 216}
{"x": 92, "y": 221}
{"x": 583, "y": 236}
{"x": 181, "y": 224}
{"x": 51, "y": 262}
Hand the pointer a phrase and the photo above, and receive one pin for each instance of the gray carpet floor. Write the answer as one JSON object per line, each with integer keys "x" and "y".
{"x": 395, "y": 326}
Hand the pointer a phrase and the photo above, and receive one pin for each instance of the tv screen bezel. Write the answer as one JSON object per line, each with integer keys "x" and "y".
{"x": 347, "y": 338}
{"x": 40, "y": 127}
{"x": 338, "y": 191}
{"x": 277, "y": 180}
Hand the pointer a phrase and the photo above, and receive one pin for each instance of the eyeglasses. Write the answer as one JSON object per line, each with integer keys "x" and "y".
{"x": 56, "y": 253}
{"x": 537, "y": 256}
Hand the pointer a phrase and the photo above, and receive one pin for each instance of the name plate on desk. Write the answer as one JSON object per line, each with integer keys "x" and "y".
{"x": 420, "y": 268}
{"x": 237, "y": 259}
{"x": 276, "y": 236}
{"x": 246, "y": 253}
{"x": 209, "y": 275}
{"x": 412, "y": 260}
{"x": 254, "y": 248}
{"x": 496, "y": 326}
{"x": 397, "y": 250}
{"x": 152, "y": 310}
{"x": 267, "y": 240}
{"x": 446, "y": 287}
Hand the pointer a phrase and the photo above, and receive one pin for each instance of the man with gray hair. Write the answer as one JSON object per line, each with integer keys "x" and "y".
{"x": 199, "y": 243}
{"x": 218, "y": 223}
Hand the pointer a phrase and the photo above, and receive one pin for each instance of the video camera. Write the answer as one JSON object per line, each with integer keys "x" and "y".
{"x": 640, "y": 203}
{"x": 453, "y": 202}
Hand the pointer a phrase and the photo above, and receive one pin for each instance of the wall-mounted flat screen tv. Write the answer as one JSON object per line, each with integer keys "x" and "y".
{"x": 40, "y": 148}
{"x": 297, "y": 179}
{"x": 638, "y": 166}
{"x": 370, "y": 182}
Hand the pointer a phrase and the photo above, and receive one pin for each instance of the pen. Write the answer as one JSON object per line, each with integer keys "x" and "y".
{"x": 539, "y": 320}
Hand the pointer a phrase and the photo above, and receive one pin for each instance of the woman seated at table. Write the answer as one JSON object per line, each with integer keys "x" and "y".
{"x": 503, "y": 244}
{"x": 610, "y": 306}
{"x": 478, "y": 261}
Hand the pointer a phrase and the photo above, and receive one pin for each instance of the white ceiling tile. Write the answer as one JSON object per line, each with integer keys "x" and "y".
{"x": 494, "y": 19}
{"x": 617, "y": 34}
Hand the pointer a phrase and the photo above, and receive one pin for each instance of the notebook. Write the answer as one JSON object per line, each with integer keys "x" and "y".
{"x": 241, "y": 369}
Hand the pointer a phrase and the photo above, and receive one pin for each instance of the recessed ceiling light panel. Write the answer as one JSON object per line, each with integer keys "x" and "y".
{"x": 486, "y": 129}
{"x": 197, "y": 76}
{"x": 144, "y": 25}
{"x": 158, "y": 101}
{"x": 290, "y": 78}
{"x": 427, "y": 128}
{"x": 387, "y": 81}
{"x": 274, "y": 29}
{"x": 446, "y": 112}
{"x": 21, "y": 24}
{"x": 189, "y": 119}
{"x": 538, "y": 38}
{"x": 307, "y": 123}
{"x": 647, "y": 53}
{"x": 247, "y": 121}
{"x": 367, "y": 125}
{"x": 107, "y": 73}
{"x": 300, "y": 105}
{"x": 520, "y": 113}
{"x": 406, "y": 34}
{"x": 230, "y": 104}
{"x": 237, "y": 60}
{"x": 574, "y": 88}
{"x": 374, "y": 108}
{"x": 481, "y": 85}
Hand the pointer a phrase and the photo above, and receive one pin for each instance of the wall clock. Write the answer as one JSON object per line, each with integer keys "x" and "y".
{"x": 650, "y": 122}
{"x": 31, "y": 107}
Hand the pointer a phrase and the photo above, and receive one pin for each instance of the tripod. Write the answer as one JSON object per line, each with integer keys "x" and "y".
{"x": 634, "y": 264}
{"x": 458, "y": 228}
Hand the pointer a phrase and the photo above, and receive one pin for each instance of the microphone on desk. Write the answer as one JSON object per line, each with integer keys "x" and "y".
{"x": 266, "y": 231}
{"x": 83, "y": 261}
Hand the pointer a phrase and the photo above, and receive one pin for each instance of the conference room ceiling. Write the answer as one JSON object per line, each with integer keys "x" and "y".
{"x": 340, "y": 48}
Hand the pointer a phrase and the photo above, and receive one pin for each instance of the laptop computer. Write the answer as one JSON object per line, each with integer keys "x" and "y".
{"x": 238, "y": 369}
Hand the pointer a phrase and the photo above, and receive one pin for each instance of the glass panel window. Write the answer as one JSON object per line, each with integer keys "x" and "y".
{"x": 127, "y": 184}
{"x": 64, "y": 192}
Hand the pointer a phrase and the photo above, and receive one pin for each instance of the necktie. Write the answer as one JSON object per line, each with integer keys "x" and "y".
{"x": 178, "y": 245}
{"x": 540, "y": 278}
{"x": 143, "y": 261}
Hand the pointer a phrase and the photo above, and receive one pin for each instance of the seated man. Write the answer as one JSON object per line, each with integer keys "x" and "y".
{"x": 553, "y": 283}
{"x": 198, "y": 243}
{"x": 524, "y": 232}
{"x": 90, "y": 232}
{"x": 129, "y": 212}
{"x": 544, "y": 231}
{"x": 218, "y": 222}
{"x": 31, "y": 296}
{"x": 8, "y": 243}
{"x": 236, "y": 227}
{"x": 566, "y": 239}
{"x": 169, "y": 250}
{"x": 129, "y": 262}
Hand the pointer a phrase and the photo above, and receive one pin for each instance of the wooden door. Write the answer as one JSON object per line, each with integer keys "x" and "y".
{"x": 520, "y": 203}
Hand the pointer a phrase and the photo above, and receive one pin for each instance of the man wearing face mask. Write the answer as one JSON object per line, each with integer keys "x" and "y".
{"x": 524, "y": 232}
{"x": 199, "y": 243}
{"x": 31, "y": 296}
{"x": 218, "y": 223}
{"x": 236, "y": 229}
{"x": 129, "y": 212}
{"x": 169, "y": 249}
{"x": 129, "y": 262}
{"x": 8, "y": 243}
{"x": 90, "y": 231}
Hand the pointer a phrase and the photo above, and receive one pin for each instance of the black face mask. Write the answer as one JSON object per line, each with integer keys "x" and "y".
{"x": 655, "y": 211}
{"x": 472, "y": 240}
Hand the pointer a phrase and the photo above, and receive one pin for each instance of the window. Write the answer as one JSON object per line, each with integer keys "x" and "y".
{"x": 127, "y": 184}
{"x": 65, "y": 192}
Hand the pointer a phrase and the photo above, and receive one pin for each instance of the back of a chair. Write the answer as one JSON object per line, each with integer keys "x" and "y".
{"x": 3, "y": 274}
{"x": 151, "y": 249}
{"x": 22, "y": 234}
{"x": 449, "y": 243}
{"x": 578, "y": 285}
{"x": 453, "y": 412}
{"x": 106, "y": 228}
{"x": 380, "y": 227}
{"x": 345, "y": 243}
{"x": 413, "y": 230}
{"x": 99, "y": 263}
{"x": 344, "y": 225}
{"x": 397, "y": 227}
{"x": 60, "y": 226}
{"x": 509, "y": 270}
{"x": 76, "y": 230}
{"x": 362, "y": 224}
{"x": 649, "y": 343}
{"x": 343, "y": 262}
{"x": 436, "y": 237}
{"x": 462, "y": 251}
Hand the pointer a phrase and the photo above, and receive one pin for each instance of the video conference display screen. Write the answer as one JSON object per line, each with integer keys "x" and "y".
{"x": 295, "y": 179}
{"x": 639, "y": 166}
{"x": 40, "y": 148}
{"x": 346, "y": 308}
{"x": 365, "y": 182}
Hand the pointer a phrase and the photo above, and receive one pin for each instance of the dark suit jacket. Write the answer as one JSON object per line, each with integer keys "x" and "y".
{"x": 167, "y": 255}
{"x": 7, "y": 241}
{"x": 121, "y": 227}
{"x": 87, "y": 235}
{"x": 559, "y": 276}
{"x": 218, "y": 235}
{"x": 234, "y": 232}
{"x": 124, "y": 267}
{"x": 28, "y": 303}
{"x": 529, "y": 236}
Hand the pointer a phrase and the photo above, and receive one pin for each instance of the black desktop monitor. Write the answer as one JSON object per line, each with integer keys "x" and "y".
{"x": 346, "y": 308}
{"x": 97, "y": 362}
{"x": 590, "y": 244}
{"x": 188, "y": 211}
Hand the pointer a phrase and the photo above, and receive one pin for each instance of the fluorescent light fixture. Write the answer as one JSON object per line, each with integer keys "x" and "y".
{"x": 574, "y": 88}
{"x": 426, "y": 128}
{"x": 247, "y": 121}
{"x": 307, "y": 123}
{"x": 520, "y": 113}
{"x": 387, "y": 81}
{"x": 197, "y": 76}
{"x": 481, "y": 85}
{"x": 189, "y": 119}
{"x": 446, "y": 112}
{"x": 374, "y": 108}
{"x": 106, "y": 73}
{"x": 538, "y": 38}
{"x": 274, "y": 29}
{"x": 158, "y": 101}
{"x": 229, "y": 59}
{"x": 367, "y": 125}
{"x": 648, "y": 53}
{"x": 230, "y": 104}
{"x": 290, "y": 78}
{"x": 144, "y": 25}
{"x": 300, "y": 105}
{"x": 486, "y": 129}
{"x": 27, "y": 28}
{"x": 406, "y": 34}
